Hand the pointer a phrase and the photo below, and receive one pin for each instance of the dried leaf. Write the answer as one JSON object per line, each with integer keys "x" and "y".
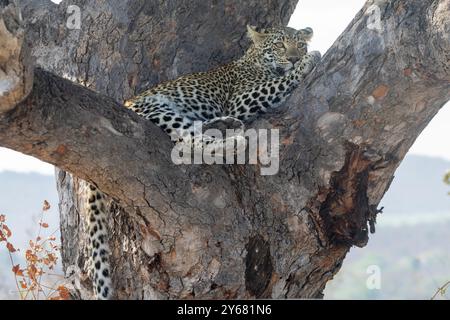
{"x": 10, "y": 247}
{"x": 32, "y": 272}
{"x": 2, "y": 218}
{"x": 17, "y": 271}
{"x": 43, "y": 224}
{"x": 8, "y": 232}
{"x": 31, "y": 257}
{"x": 46, "y": 206}
{"x": 23, "y": 284}
{"x": 63, "y": 292}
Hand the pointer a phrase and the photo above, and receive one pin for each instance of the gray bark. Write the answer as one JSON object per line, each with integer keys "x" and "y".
{"x": 226, "y": 231}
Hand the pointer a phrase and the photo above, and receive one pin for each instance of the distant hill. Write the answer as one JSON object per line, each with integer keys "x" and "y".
{"x": 418, "y": 186}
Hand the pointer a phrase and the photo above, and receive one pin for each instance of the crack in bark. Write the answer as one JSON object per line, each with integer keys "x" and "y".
{"x": 258, "y": 266}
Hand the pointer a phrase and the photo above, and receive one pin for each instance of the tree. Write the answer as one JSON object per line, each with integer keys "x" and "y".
{"x": 220, "y": 231}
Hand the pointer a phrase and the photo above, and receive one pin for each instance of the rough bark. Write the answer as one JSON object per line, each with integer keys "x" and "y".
{"x": 226, "y": 231}
{"x": 15, "y": 65}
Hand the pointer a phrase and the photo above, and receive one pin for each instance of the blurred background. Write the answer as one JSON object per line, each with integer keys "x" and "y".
{"x": 410, "y": 250}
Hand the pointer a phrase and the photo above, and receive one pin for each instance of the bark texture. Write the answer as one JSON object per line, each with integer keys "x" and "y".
{"x": 16, "y": 77}
{"x": 226, "y": 231}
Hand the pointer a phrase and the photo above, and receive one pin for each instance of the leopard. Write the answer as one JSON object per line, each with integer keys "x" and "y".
{"x": 275, "y": 63}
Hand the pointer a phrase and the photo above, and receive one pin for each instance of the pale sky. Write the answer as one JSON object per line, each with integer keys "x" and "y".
{"x": 328, "y": 18}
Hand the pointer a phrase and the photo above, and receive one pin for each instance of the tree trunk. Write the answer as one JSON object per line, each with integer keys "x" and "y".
{"x": 224, "y": 231}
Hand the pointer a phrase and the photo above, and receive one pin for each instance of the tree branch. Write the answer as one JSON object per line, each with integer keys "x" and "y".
{"x": 90, "y": 135}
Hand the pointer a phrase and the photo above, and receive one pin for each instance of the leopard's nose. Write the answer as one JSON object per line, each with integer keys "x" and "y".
{"x": 293, "y": 59}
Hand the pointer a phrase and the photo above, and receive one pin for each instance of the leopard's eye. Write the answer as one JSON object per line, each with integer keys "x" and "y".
{"x": 279, "y": 45}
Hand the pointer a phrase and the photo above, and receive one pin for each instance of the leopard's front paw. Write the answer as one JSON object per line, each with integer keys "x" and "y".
{"x": 308, "y": 63}
{"x": 316, "y": 56}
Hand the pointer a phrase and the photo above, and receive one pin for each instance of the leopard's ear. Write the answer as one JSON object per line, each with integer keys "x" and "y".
{"x": 306, "y": 33}
{"x": 256, "y": 36}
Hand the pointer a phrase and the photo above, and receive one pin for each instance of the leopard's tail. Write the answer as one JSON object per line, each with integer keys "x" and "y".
{"x": 98, "y": 239}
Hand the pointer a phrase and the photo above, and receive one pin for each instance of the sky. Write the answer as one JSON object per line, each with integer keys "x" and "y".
{"x": 328, "y": 18}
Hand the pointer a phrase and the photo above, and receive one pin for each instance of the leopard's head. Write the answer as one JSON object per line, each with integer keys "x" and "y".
{"x": 278, "y": 49}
